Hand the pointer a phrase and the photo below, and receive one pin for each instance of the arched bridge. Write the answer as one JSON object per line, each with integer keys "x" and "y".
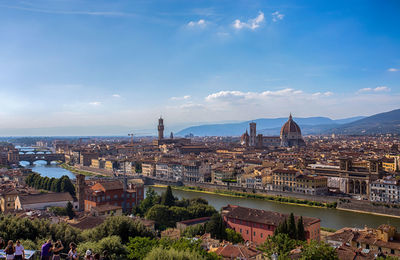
{"x": 48, "y": 157}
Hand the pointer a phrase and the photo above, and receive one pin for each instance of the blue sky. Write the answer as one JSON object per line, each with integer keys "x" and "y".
{"x": 71, "y": 63}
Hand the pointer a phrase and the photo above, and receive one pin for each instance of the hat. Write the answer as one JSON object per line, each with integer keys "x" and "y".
{"x": 88, "y": 252}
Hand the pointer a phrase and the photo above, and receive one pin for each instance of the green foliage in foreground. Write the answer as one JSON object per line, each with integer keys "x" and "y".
{"x": 281, "y": 245}
{"x": 147, "y": 248}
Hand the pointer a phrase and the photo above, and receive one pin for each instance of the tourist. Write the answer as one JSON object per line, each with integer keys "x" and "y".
{"x": 96, "y": 256}
{"x": 105, "y": 255}
{"x": 10, "y": 250}
{"x": 19, "y": 251}
{"x": 72, "y": 254}
{"x": 58, "y": 247}
{"x": 46, "y": 250}
{"x": 88, "y": 255}
{"x": 2, "y": 243}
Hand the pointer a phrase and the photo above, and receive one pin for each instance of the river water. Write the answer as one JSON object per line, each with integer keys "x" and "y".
{"x": 331, "y": 218}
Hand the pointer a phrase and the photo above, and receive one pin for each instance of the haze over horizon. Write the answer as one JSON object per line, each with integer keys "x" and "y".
{"x": 124, "y": 63}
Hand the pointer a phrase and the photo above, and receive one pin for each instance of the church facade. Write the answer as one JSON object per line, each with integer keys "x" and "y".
{"x": 290, "y": 136}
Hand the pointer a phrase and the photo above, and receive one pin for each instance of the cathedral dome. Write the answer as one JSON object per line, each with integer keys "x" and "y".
{"x": 290, "y": 127}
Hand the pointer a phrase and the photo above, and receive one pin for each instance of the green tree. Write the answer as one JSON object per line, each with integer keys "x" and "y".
{"x": 318, "y": 250}
{"x": 112, "y": 244}
{"x": 216, "y": 227}
{"x": 292, "y": 230}
{"x": 194, "y": 230}
{"x": 301, "y": 234}
{"x": 66, "y": 185}
{"x": 151, "y": 199}
{"x": 70, "y": 210}
{"x": 233, "y": 236}
{"x": 160, "y": 253}
{"x": 168, "y": 198}
{"x": 161, "y": 215}
{"x": 139, "y": 247}
{"x": 280, "y": 244}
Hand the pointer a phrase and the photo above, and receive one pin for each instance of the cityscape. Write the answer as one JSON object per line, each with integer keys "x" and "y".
{"x": 199, "y": 130}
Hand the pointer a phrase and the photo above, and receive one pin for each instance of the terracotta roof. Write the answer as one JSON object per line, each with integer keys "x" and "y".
{"x": 112, "y": 185}
{"x": 261, "y": 216}
{"x": 45, "y": 197}
{"x": 290, "y": 127}
{"x": 88, "y": 222}
{"x": 237, "y": 251}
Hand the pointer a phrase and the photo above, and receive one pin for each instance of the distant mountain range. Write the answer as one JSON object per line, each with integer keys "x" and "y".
{"x": 388, "y": 122}
{"x": 382, "y": 123}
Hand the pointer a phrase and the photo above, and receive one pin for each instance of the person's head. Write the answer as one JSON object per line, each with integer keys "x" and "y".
{"x": 72, "y": 245}
{"x": 18, "y": 243}
{"x": 10, "y": 242}
{"x": 96, "y": 256}
{"x": 88, "y": 252}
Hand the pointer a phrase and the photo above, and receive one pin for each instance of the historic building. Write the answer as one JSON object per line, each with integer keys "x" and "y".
{"x": 256, "y": 225}
{"x": 290, "y": 136}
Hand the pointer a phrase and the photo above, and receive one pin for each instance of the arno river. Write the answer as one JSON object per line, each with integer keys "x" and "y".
{"x": 331, "y": 218}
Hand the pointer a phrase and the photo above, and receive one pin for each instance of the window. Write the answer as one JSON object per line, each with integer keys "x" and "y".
{"x": 247, "y": 232}
{"x": 115, "y": 196}
{"x": 240, "y": 230}
{"x": 254, "y": 233}
{"x": 261, "y": 235}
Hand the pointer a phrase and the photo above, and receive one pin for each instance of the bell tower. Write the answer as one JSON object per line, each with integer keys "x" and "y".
{"x": 80, "y": 191}
{"x": 160, "y": 128}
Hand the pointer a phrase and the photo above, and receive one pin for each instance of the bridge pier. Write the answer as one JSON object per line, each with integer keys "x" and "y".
{"x": 31, "y": 163}
{"x": 48, "y": 162}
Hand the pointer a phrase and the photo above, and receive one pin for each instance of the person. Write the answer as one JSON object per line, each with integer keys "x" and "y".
{"x": 10, "y": 250}
{"x": 88, "y": 255}
{"x": 105, "y": 255}
{"x": 57, "y": 248}
{"x": 72, "y": 254}
{"x": 46, "y": 250}
{"x": 96, "y": 256}
{"x": 19, "y": 251}
{"x": 2, "y": 243}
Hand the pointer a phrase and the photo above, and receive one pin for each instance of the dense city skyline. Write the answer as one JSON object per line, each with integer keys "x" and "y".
{"x": 76, "y": 63}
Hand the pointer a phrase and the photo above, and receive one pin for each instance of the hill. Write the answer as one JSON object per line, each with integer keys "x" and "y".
{"x": 382, "y": 123}
{"x": 266, "y": 126}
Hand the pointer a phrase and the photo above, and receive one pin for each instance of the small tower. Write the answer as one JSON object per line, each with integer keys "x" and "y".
{"x": 80, "y": 191}
{"x": 171, "y": 136}
{"x": 160, "y": 128}
{"x": 253, "y": 134}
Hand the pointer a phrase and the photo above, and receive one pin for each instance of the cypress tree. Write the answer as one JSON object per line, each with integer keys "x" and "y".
{"x": 167, "y": 198}
{"x": 292, "y": 231}
{"x": 301, "y": 234}
{"x": 70, "y": 210}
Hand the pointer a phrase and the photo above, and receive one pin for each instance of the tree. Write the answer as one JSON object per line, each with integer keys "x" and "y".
{"x": 216, "y": 227}
{"x": 161, "y": 215}
{"x": 280, "y": 244}
{"x": 167, "y": 197}
{"x": 66, "y": 185}
{"x": 318, "y": 250}
{"x": 194, "y": 230}
{"x": 292, "y": 230}
{"x": 301, "y": 234}
{"x": 160, "y": 253}
{"x": 112, "y": 244}
{"x": 150, "y": 200}
{"x": 282, "y": 228}
{"x": 139, "y": 247}
{"x": 70, "y": 210}
{"x": 233, "y": 236}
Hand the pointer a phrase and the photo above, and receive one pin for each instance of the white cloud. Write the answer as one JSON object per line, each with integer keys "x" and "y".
{"x": 277, "y": 16}
{"x": 181, "y": 98}
{"x": 377, "y": 89}
{"x": 116, "y": 95}
{"x": 200, "y": 23}
{"x": 251, "y": 23}
{"x": 95, "y": 103}
{"x": 239, "y": 95}
{"x": 393, "y": 69}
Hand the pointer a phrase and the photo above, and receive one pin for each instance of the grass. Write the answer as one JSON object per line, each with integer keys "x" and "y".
{"x": 75, "y": 171}
{"x": 286, "y": 200}
{"x": 332, "y": 230}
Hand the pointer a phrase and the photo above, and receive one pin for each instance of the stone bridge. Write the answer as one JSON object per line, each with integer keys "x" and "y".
{"x": 48, "y": 157}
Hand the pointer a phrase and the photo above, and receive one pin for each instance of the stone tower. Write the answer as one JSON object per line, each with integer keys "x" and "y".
{"x": 160, "y": 128}
{"x": 80, "y": 191}
{"x": 253, "y": 134}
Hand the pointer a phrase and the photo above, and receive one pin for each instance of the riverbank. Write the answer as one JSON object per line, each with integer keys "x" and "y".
{"x": 76, "y": 171}
{"x": 237, "y": 194}
{"x": 369, "y": 213}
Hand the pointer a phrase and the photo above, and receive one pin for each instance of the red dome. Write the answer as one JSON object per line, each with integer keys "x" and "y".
{"x": 290, "y": 127}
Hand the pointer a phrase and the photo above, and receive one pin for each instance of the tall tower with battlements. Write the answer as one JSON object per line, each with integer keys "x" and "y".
{"x": 253, "y": 134}
{"x": 80, "y": 191}
{"x": 160, "y": 128}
